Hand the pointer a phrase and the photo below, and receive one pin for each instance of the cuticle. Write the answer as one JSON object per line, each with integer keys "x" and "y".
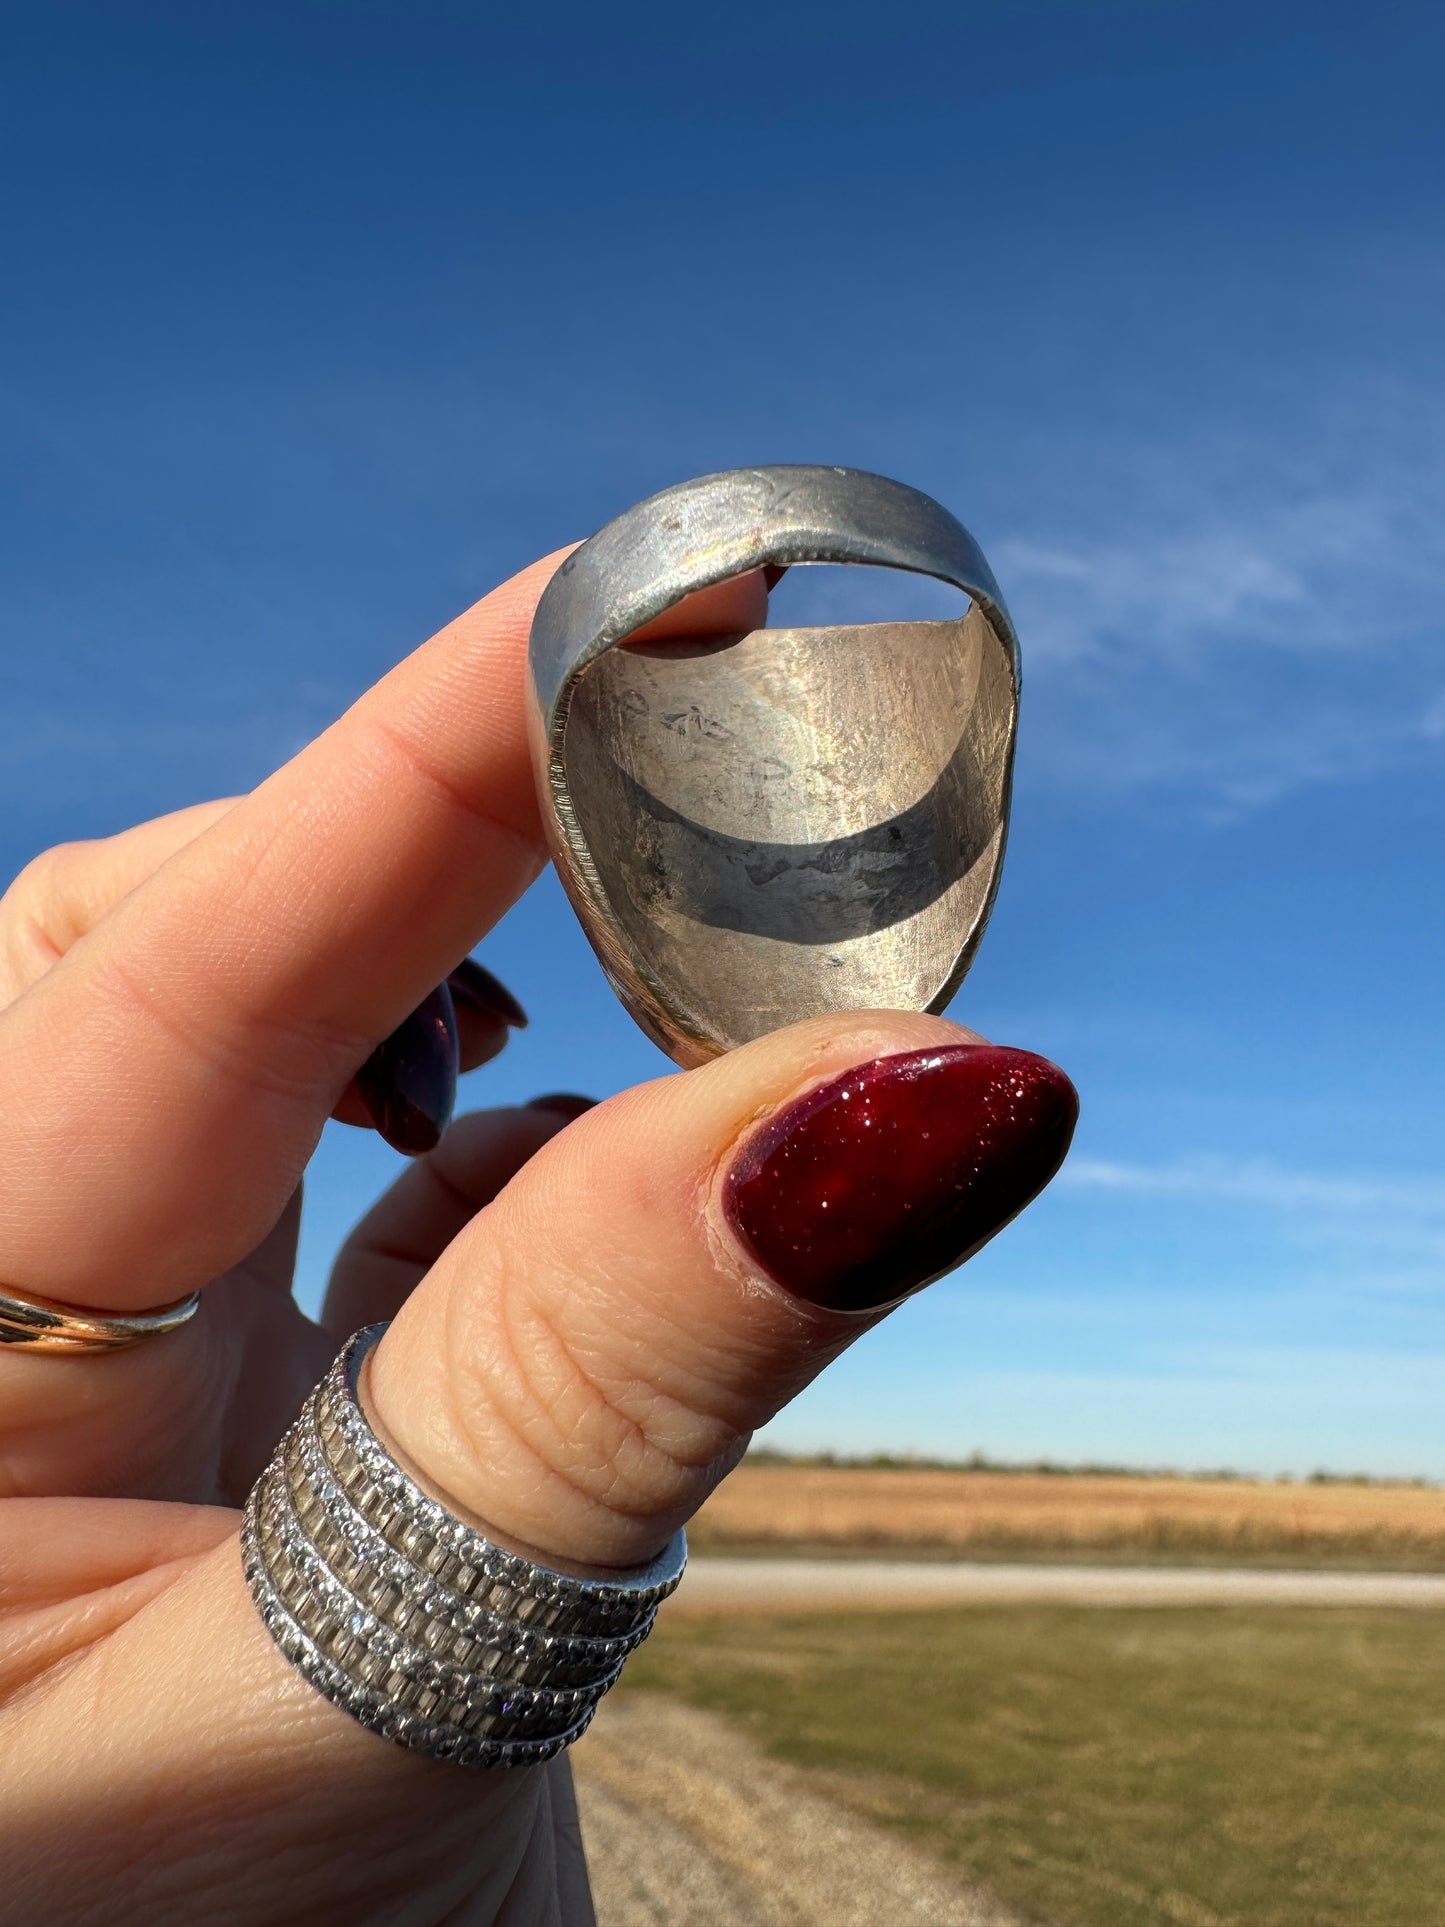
{"x": 731, "y": 1257}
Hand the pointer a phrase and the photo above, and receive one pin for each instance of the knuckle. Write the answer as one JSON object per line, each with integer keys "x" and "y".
{"x": 627, "y": 1441}
{"x": 37, "y": 925}
{"x": 40, "y": 882}
{"x": 304, "y": 1062}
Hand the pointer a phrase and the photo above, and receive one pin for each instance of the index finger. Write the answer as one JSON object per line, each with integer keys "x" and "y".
{"x": 162, "y": 1088}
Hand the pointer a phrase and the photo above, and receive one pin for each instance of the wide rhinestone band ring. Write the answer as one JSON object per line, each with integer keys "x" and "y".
{"x": 409, "y": 1619}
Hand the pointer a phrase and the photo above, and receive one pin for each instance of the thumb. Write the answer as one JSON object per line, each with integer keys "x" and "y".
{"x": 588, "y": 1358}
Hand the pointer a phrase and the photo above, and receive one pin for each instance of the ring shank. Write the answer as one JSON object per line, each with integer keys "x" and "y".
{"x": 44, "y": 1325}
{"x": 770, "y": 826}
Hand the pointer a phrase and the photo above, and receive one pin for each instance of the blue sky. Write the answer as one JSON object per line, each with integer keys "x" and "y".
{"x": 318, "y": 320}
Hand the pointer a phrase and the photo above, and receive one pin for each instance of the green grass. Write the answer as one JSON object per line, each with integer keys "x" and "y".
{"x": 1115, "y": 1767}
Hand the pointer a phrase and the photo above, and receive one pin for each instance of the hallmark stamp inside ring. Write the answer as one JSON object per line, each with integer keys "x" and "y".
{"x": 758, "y": 828}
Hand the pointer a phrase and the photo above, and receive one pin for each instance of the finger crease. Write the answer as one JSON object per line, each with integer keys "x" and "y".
{"x": 337, "y": 1050}
{"x": 431, "y": 778}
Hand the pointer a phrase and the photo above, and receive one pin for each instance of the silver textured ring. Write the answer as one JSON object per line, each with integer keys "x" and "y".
{"x": 411, "y": 1620}
{"x": 763, "y": 827}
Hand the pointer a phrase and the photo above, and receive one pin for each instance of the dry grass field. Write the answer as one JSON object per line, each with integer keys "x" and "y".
{"x": 980, "y": 1514}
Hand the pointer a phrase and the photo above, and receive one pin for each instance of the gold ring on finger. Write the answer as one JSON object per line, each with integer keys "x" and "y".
{"x": 42, "y": 1325}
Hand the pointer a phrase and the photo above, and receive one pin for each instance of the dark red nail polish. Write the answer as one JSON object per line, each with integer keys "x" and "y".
{"x": 409, "y": 1082}
{"x": 567, "y": 1102}
{"x": 883, "y": 1179}
{"x": 477, "y": 989}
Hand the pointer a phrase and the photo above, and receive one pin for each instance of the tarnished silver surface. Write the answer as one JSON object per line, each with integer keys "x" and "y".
{"x": 409, "y": 1619}
{"x": 759, "y": 828}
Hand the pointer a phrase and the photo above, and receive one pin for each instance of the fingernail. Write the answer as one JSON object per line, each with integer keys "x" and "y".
{"x": 409, "y": 1082}
{"x": 567, "y": 1102}
{"x": 887, "y": 1177}
{"x": 479, "y": 990}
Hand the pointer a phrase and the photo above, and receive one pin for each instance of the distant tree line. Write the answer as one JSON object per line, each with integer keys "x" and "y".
{"x": 1053, "y": 1468}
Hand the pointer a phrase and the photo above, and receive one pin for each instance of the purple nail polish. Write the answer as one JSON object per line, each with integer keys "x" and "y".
{"x": 409, "y": 1082}
{"x": 475, "y": 988}
{"x": 883, "y": 1179}
{"x": 567, "y": 1102}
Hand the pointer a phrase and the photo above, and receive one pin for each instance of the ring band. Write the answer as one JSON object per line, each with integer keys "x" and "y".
{"x": 759, "y": 828}
{"x": 42, "y": 1325}
{"x": 409, "y": 1619}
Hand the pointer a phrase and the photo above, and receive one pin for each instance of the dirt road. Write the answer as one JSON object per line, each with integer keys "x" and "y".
{"x": 715, "y": 1584}
{"x": 687, "y": 1824}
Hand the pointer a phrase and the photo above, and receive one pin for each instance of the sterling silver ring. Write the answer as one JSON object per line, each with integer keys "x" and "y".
{"x": 408, "y": 1618}
{"x": 763, "y": 827}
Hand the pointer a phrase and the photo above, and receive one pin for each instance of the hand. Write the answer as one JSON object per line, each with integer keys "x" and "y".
{"x": 590, "y": 1316}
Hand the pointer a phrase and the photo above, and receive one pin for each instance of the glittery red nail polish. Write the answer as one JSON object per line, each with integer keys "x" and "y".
{"x": 887, "y": 1177}
{"x": 409, "y": 1082}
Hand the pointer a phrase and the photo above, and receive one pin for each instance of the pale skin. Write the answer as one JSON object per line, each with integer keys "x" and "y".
{"x": 580, "y": 1349}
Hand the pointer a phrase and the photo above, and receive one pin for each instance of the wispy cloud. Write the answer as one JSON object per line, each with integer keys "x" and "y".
{"x": 1262, "y": 1183}
{"x": 1242, "y": 643}
{"x": 1163, "y": 592}
{"x": 1263, "y": 623}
